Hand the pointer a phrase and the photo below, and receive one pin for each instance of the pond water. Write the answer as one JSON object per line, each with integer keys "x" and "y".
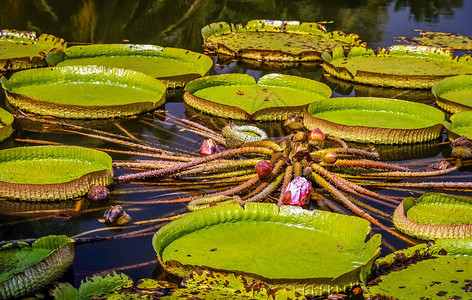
{"x": 177, "y": 23}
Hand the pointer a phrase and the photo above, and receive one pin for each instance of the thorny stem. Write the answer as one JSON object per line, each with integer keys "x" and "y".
{"x": 197, "y": 161}
{"x": 338, "y": 195}
{"x": 348, "y": 188}
{"x": 410, "y": 174}
{"x": 365, "y": 164}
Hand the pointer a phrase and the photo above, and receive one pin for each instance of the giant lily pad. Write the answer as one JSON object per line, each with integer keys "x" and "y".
{"x": 84, "y": 92}
{"x": 238, "y": 96}
{"x": 397, "y": 66}
{"x": 461, "y": 125}
{"x": 435, "y": 215}
{"x": 6, "y": 121}
{"x": 439, "y": 39}
{"x": 52, "y": 172}
{"x": 442, "y": 270}
{"x": 454, "y": 94}
{"x": 375, "y": 120}
{"x": 174, "y": 66}
{"x": 311, "y": 252}
{"x": 25, "y": 268}
{"x": 275, "y": 40}
{"x": 23, "y": 50}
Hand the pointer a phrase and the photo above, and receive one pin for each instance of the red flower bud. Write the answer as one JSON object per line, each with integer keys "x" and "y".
{"x": 263, "y": 168}
{"x": 316, "y": 138}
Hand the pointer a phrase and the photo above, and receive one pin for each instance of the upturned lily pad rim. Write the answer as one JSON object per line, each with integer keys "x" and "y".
{"x": 268, "y": 80}
{"x": 428, "y": 231}
{"x": 200, "y": 62}
{"x": 308, "y": 28}
{"x": 453, "y": 83}
{"x": 390, "y": 79}
{"x": 437, "y": 248}
{"x": 58, "y": 191}
{"x": 78, "y": 75}
{"x": 459, "y": 121}
{"x": 7, "y": 120}
{"x": 294, "y": 217}
{"x": 35, "y": 59}
{"x": 30, "y": 278}
{"x": 378, "y": 135}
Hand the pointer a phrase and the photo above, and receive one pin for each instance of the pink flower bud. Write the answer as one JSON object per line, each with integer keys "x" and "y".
{"x": 208, "y": 147}
{"x": 297, "y": 192}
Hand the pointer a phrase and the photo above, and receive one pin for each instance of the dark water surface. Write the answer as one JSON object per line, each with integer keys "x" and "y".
{"x": 177, "y": 23}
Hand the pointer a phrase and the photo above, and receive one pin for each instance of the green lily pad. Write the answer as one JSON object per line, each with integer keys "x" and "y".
{"x": 442, "y": 270}
{"x": 23, "y": 50}
{"x": 52, "y": 172}
{"x": 275, "y": 40}
{"x": 6, "y": 121}
{"x": 454, "y": 94}
{"x": 375, "y": 120}
{"x": 461, "y": 125}
{"x": 439, "y": 40}
{"x": 435, "y": 215}
{"x": 173, "y": 66}
{"x": 238, "y": 96}
{"x": 398, "y": 66}
{"x": 25, "y": 268}
{"x": 84, "y": 92}
{"x": 311, "y": 252}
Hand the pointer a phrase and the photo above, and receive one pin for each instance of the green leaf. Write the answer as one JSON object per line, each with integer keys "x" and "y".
{"x": 454, "y": 94}
{"x": 397, "y": 66}
{"x": 25, "y": 268}
{"x": 207, "y": 284}
{"x": 439, "y": 39}
{"x": 274, "y": 40}
{"x": 375, "y": 120}
{"x": 435, "y": 215}
{"x": 440, "y": 271}
{"x": 313, "y": 252}
{"x": 23, "y": 50}
{"x": 52, "y": 172}
{"x": 238, "y": 96}
{"x": 92, "y": 287}
{"x": 172, "y": 65}
{"x": 65, "y": 291}
{"x": 90, "y": 92}
{"x": 462, "y": 124}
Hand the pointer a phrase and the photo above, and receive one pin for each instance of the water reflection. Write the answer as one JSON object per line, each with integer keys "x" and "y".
{"x": 427, "y": 10}
{"x": 177, "y": 23}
